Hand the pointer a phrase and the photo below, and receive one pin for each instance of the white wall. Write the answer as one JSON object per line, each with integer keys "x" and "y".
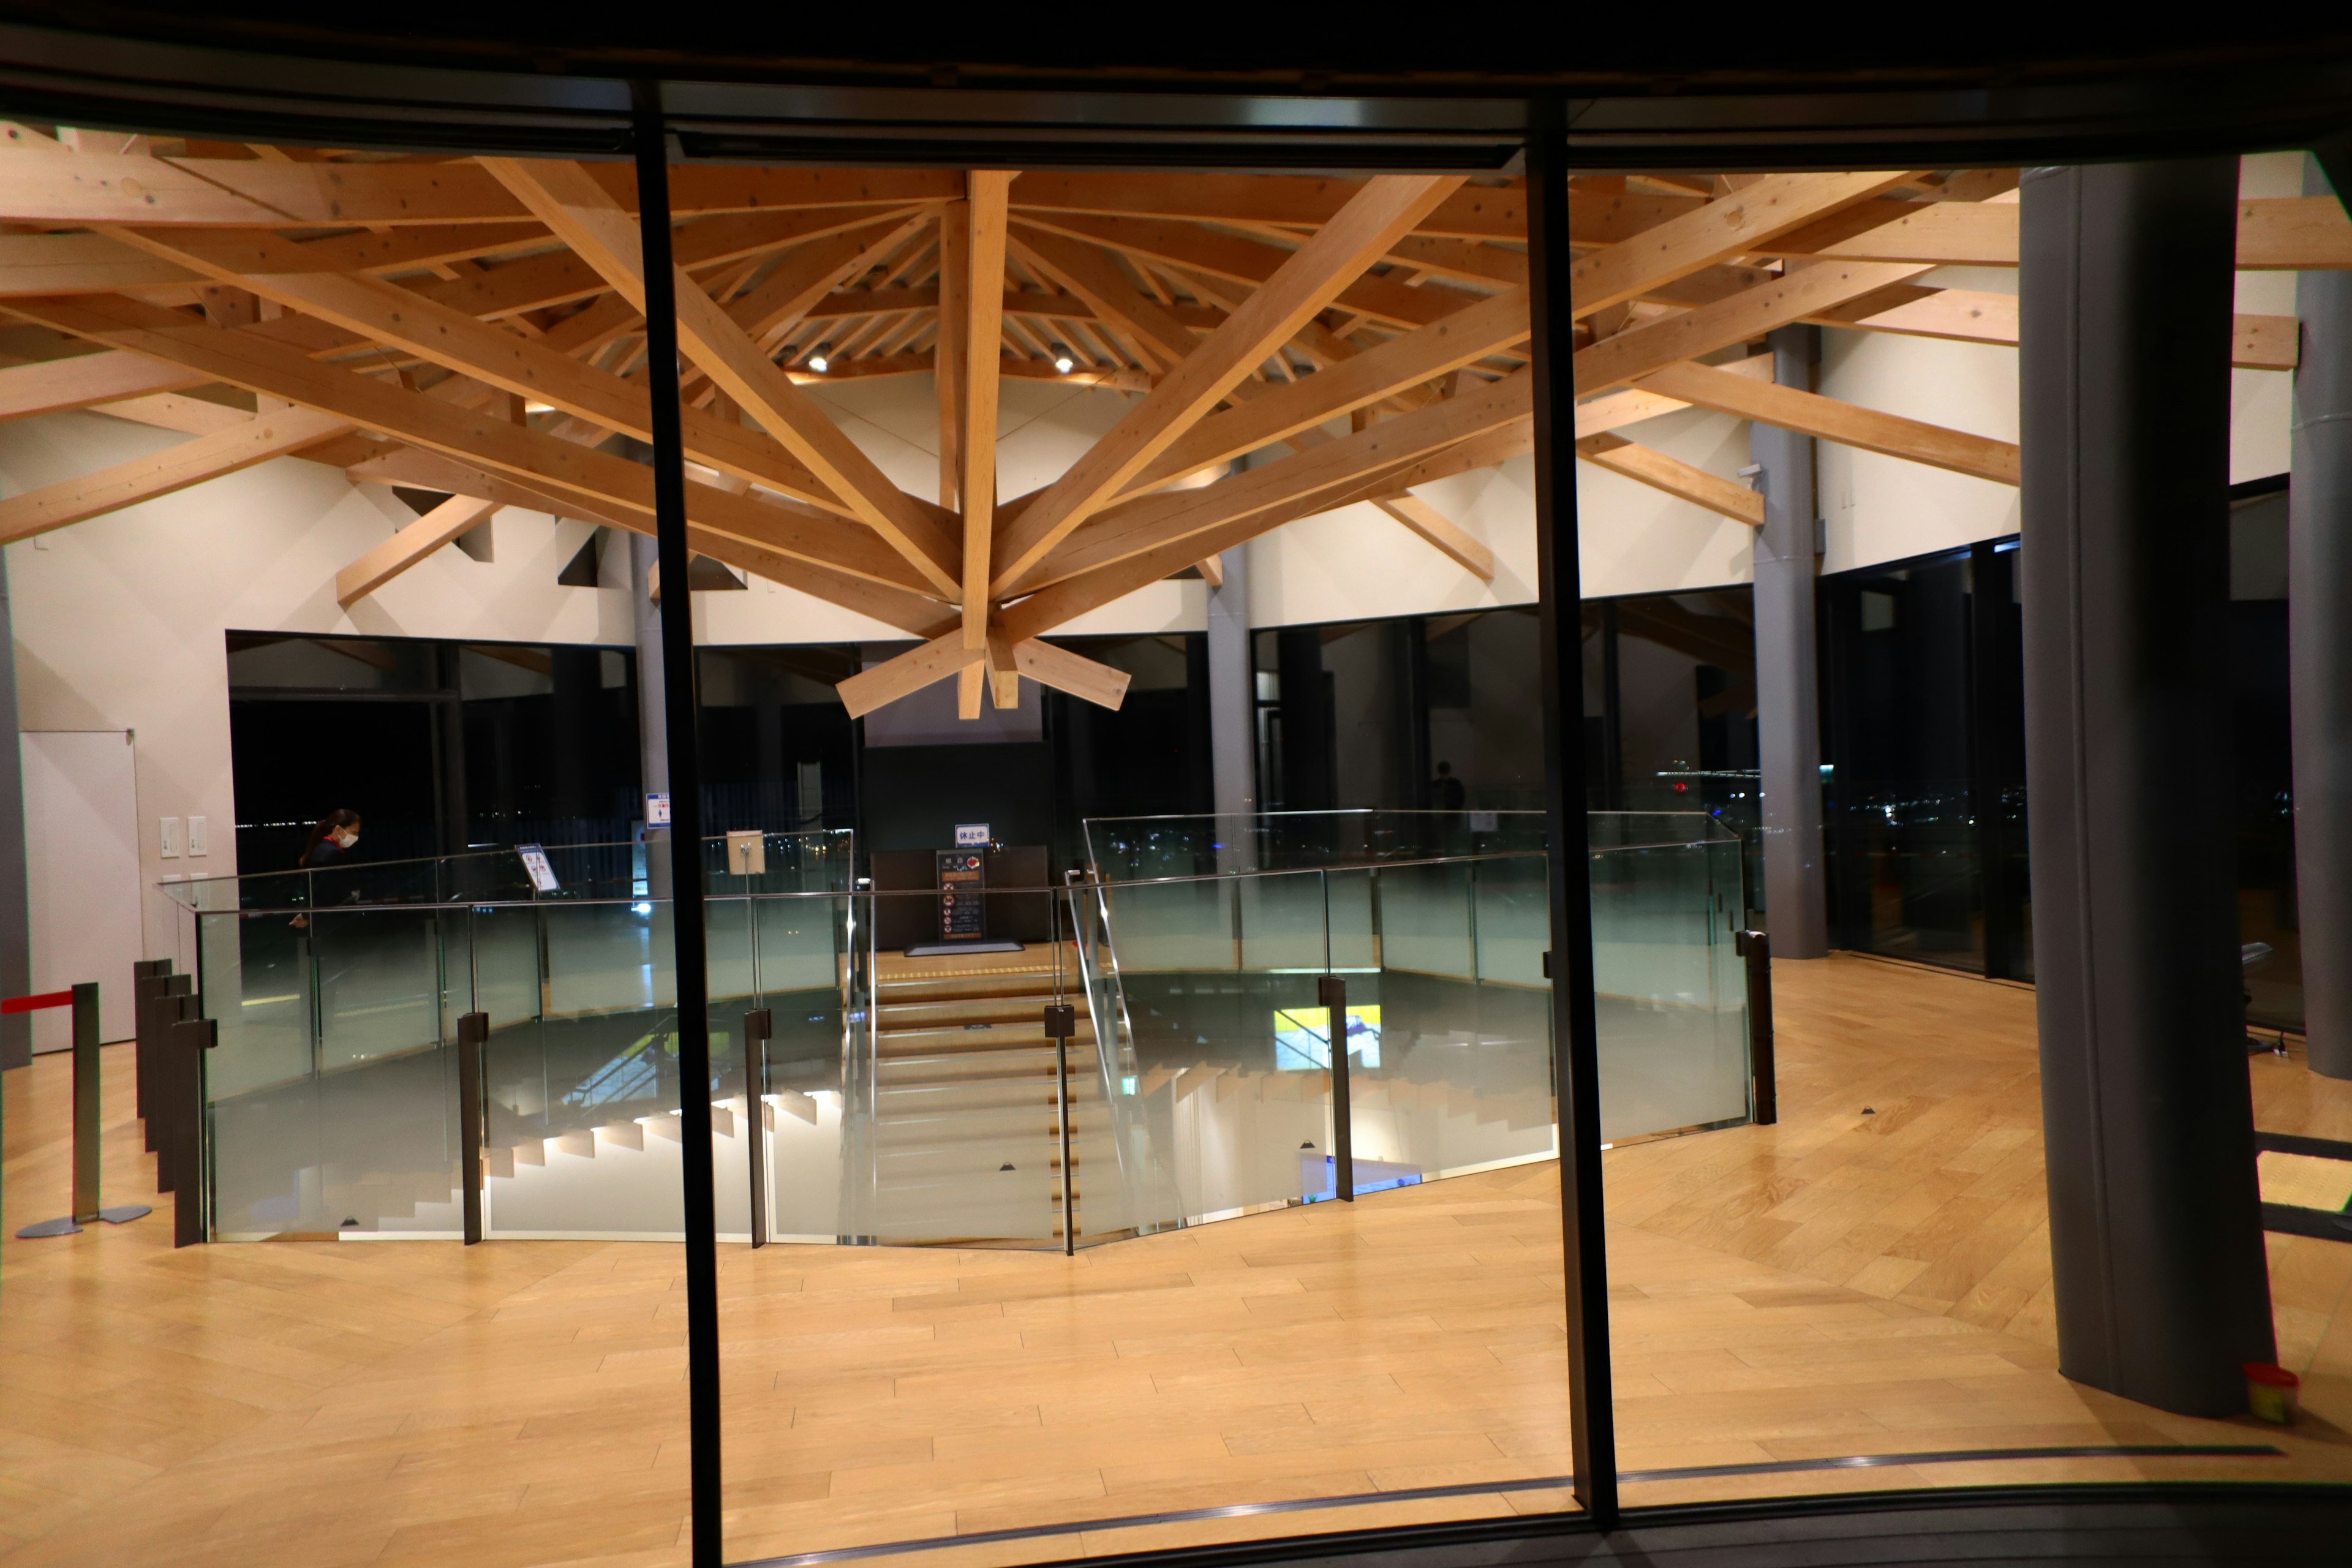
{"x": 120, "y": 621}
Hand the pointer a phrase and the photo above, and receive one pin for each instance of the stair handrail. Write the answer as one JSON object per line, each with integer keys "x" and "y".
{"x": 1107, "y": 1010}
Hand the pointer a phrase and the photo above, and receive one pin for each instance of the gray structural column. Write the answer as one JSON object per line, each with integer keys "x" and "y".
{"x": 16, "y": 894}
{"x": 1232, "y": 695}
{"x": 2147, "y": 1122}
{"x": 653, "y": 720}
{"x": 2319, "y": 653}
{"x": 1787, "y": 687}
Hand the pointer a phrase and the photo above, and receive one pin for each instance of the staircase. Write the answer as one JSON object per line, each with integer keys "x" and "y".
{"x": 967, "y": 1142}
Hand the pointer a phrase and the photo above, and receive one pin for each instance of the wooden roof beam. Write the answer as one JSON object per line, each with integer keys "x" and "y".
{"x": 567, "y": 199}
{"x": 984, "y": 324}
{"x": 386, "y": 314}
{"x": 1647, "y": 465}
{"x": 1828, "y": 419}
{"x": 411, "y": 544}
{"x": 283, "y": 433}
{"x": 1735, "y": 225}
{"x": 251, "y": 361}
{"x": 1147, "y": 524}
{"x": 1383, "y": 210}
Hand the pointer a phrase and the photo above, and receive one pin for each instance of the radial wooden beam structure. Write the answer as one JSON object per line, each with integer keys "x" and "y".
{"x": 1289, "y": 346}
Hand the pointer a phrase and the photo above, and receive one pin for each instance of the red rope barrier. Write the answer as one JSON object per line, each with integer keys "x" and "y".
{"x": 34, "y": 1003}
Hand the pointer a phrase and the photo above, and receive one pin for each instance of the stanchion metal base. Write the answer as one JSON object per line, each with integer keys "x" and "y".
{"x": 65, "y": 1226}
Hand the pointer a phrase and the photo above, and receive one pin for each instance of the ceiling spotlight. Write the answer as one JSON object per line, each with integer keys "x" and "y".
{"x": 819, "y": 362}
{"x": 1063, "y": 362}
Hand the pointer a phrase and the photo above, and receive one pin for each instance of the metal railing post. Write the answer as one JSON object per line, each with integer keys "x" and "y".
{"x": 146, "y": 984}
{"x": 183, "y": 1089}
{"x": 161, "y": 1011}
{"x": 759, "y": 1026}
{"x": 1332, "y": 992}
{"x": 1756, "y": 947}
{"x": 473, "y": 1029}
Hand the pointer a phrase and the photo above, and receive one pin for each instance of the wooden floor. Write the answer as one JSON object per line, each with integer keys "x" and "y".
{"x": 1871, "y": 1275}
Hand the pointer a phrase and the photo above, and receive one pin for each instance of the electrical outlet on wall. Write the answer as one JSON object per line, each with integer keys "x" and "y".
{"x": 169, "y": 847}
{"x": 196, "y": 838}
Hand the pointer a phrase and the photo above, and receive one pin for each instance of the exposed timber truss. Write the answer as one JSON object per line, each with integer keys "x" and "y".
{"x": 1288, "y": 345}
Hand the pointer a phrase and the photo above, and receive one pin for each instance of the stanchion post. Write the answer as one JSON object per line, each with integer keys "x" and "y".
{"x": 759, "y": 1027}
{"x": 88, "y": 1091}
{"x": 1331, "y": 990}
{"x": 473, "y": 1029}
{"x": 1756, "y": 947}
{"x": 87, "y": 1125}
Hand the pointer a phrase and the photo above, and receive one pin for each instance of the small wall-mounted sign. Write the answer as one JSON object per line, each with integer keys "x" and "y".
{"x": 971, "y": 833}
{"x": 534, "y": 860}
{"x": 746, "y": 852}
{"x": 658, "y": 810}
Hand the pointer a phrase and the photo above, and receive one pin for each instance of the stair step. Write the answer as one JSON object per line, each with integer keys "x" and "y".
{"x": 1037, "y": 986}
{"x": 972, "y": 1067}
{"x": 982, "y": 1097}
{"x": 992, "y": 1036}
{"x": 892, "y": 1013}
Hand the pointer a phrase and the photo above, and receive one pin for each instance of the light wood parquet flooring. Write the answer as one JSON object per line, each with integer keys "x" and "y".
{"x": 1836, "y": 1284}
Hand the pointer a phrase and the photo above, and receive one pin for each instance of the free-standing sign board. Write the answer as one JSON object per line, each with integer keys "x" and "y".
{"x": 534, "y": 860}
{"x": 963, "y": 909}
{"x": 746, "y": 852}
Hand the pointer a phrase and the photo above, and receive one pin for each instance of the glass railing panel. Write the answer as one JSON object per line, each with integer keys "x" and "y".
{"x": 1282, "y": 921}
{"x": 254, "y": 973}
{"x": 804, "y": 976}
{"x": 1184, "y": 924}
{"x": 731, "y": 952}
{"x": 1134, "y": 848}
{"x": 1128, "y": 1190}
{"x": 1449, "y": 1071}
{"x": 1672, "y": 1016}
{"x": 331, "y": 1102}
{"x": 1351, "y": 917}
{"x": 1232, "y": 1085}
{"x": 1512, "y": 918}
{"x": 1427, "y": 919}
{"x": 379, "y": 982}
{"x": 961, "y": 1094}
{"x": 607, "y": 957}
{"x": 599, "y": 1157}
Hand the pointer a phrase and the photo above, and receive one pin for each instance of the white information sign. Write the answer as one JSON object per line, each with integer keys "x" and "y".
{"x": 658, "y": 810}
{"x": 971, "y": 833}
{"x": 534, "y": 860}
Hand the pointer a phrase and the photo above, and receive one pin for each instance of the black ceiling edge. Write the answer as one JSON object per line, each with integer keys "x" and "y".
{"x": 1483, "y": 1536}
{"x": 238, "y": 79}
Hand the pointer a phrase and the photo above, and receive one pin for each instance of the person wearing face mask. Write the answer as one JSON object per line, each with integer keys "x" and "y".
{"x": 330, "y": 842}
{"x": 332, "y": 839}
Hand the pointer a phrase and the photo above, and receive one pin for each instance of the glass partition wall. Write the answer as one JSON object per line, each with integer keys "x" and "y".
{"x": 1264, "y": 1233}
